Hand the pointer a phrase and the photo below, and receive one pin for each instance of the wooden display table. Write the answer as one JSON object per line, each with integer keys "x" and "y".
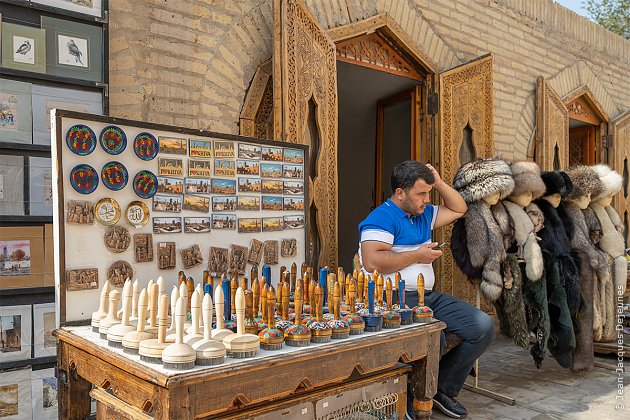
{"x": 142, "y": 390}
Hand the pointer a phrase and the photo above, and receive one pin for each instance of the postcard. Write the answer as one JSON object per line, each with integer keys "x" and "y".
{"x": 168, "y": 185}
{"x": 223, "y": 203}
{"x": 249, "y": 185}
{"x": 200, "y": 168}
{"x": 293, "y": 188}
{"x": 200, "y": 148}
{"x": 198, "y": 186}
{"x": 272, "y": 224}
{"x": 224, "y": 221}
{"x": 247, "y": 167}
{"x": 294, "y": 222}
{"x": 223, "y": 186}
{"x": 249, "y": 225}
{"x": 248, "y": 203}
{"x": 167, "y": 225}
{"x": 271, "y": 203}
{"x": 248, "y": 151}
{"x": 167, "y": 203}
{"x": 273, "y": 154}
{"x": 270, "y": 170}
{"x": 173, "y": 145}
{"x": 197, "y": 224}
{"x": 223, "y": 149}
{"x": 270, "y": 186}
{"x": 293, "y": 155}
{"x": 292, "y": 171}
{"x": 197, "y": 203}
{"x": 170, "y": 167}
{"x": 224, "y": 167}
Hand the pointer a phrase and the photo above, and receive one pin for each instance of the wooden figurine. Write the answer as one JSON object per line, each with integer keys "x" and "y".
{"x": 153, "y": 308}
{"x": 331, "y": 279}
{"x": 194, "y": 333}
{"x": 241, "y": 345}
{"x": 190, "y": 287}
{"x": 380, "y": 283}
{"x": 131, "y": 340}
{"x": 298, "y": 335}
{"x": 233, "y": 288}
{"x": 320, "y": 330}
{"x": 340, "y": 328}
{"x": 361, "y": 284}
{"x": 250, "y": 321}
{"x": 111, "y": 318}
{"x": 285, "y": 291}
{"x": 341, "y": 277}
{"x": 179, "y": 355}
{"x": 293, "y": 276}
{"x": 391, "y": 318}
{"x": 271, "y": 338}
{"x": 102, "y": 308}
{"x": 209, "y": 352}
{"x": 116, "y": 332}
{"x": 262, "y": 321}
{"x": 421, "y": 313}
{"x": 255, "y": 297}
{"x": 219, "y": 333}
{"x": 373, "y": 321}
{"x": 353, "y": 319}
{"x": 406, "y": 314}
{"x": 150, "y": 350}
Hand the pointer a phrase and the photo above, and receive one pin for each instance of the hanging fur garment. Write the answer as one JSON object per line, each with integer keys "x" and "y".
{"x": 612, "y": 243}
{"x": 615, "y": 219}
{"x": 511, "y": 306}
{"x": 459, "y": 250}
{"x": 536, "y": 307}
{"x": 526, "y": 241}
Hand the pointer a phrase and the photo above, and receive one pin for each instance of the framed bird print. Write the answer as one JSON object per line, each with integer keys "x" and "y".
{"x": 73, "y": 49}
{"x": 23, "y": 48}
{"x": 89, "y": 7}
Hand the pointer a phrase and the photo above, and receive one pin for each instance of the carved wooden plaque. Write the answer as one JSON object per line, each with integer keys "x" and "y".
{"x": 80, "y": 212}
{"x": 143, "y": 247}
{"x": 82, "y": 279}
{"x": 218, "y": 262}
{"x": 166, "y": 255}
{"x": 271, "y": 252}
{"x": 552, "y": 128}
{"x": 191, "y": 256}
{"x": 238, "y": 259}
{"x": 255, "y": 252}
{"x": 118, "y": 272}
{"x": 288, "y": 248}
{"x": 117, "y": 239}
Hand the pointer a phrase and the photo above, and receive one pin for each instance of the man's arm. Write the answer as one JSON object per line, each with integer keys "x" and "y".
{"x": 379, "y": 256}
{"x": 454, "y": 205}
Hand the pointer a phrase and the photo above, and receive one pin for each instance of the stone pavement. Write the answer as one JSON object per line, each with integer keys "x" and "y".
{"x": 550, "y": 392}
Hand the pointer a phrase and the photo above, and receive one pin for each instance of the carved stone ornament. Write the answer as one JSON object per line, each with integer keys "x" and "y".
{"x": 80, "y": 212}
{"x": 191, "y": 256}
{"x": 117, "y": 239}
{"x": 143, "y": 247}
{"x": 218, "y": 261}
{"x": 118, "y": 272}
{"x": 271, "y": 252}
{"x": 238, "y": 259}
{"x": 166, "y": 255}
{"x": 255, "y": 252}
{"x": 288, "y": 248}
{"x": 82, "y": 279}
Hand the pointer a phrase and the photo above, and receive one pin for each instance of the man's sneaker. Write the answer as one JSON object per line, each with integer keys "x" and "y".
{"x": 449, "y": 406}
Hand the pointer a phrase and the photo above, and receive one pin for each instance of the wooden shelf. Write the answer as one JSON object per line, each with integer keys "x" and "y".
{"x": 48, "y": 360}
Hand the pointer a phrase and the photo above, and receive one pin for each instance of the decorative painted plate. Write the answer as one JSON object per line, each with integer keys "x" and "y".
{"x": 81, "y": 140}
{"x": 114, "y": 175}
{"x": 107, "y": 211}
{"x": 113, "y": 140}
{"x": 137, "y": 213}
{"x": 84, "y": 179}
{"x": 146, "y": 146}
{"x": 145, "y": 184}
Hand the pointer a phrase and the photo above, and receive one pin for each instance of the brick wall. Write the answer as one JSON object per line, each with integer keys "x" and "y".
{"x": 190, "y": 62}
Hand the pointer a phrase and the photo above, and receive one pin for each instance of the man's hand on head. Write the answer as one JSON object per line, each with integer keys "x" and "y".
{"x": 428, "y": 253}
{"x": 435, "y": 173}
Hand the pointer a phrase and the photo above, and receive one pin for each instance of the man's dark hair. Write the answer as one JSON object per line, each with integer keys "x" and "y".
{"x": 406, "y": 174}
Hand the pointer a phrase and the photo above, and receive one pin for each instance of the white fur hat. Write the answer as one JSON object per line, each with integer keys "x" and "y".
{"x": 611, "y": 180}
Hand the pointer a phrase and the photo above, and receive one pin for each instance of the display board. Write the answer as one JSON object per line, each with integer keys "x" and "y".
{"x": 140, "y": 200}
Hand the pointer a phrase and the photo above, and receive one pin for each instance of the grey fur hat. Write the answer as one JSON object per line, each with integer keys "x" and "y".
{"x": 585, "y": 181}
{"x": 612, "y": 182}
{"x": 483, "y": 177}
{"x": 527, "y": 178}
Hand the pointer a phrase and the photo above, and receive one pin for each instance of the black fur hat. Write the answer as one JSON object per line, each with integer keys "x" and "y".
{"x": 556, "y": 182}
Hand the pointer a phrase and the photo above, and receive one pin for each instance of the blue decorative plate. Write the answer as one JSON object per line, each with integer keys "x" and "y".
{"x": 146, "y": 146}
{"x": 145, "y": 184}
{"x": 114, "y": 175}
{"x": 84, "y": 179}
{"x": 81, "y": 140}
{"x": 113, "y": 140}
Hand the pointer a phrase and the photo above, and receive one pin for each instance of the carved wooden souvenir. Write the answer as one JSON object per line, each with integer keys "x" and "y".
{"x": 111, "y": 318}
{"x": 353, "y": 319}
{"x": 209, "y": 352}
{"x": 255, "y": 252}
{"x": 131, "y": 340}
{"x": 298, "y": 335}
{"x": 174, "y": 297}
{"x": 80, "y": 212}
{"x": 191, "y": 256}
{"x": 219, "y": 333}
{"x": 250, "y": 322}
{"x": 195, "y": 308}
{"x": 271, "y": 338}
{"x": 116, "y": 332}
{"x": 143, "y": 247}
{"x": 133, "y": 318}
{"x": 340, "y": 327}
{"x": 117, "y": 239}
{"x": 152, "y": 291}
{"x": 421, "y": 313}
{"x": 321, "y": 332}
{"x": 151, "y": 350}
{"x": 166, "y": 255}
{"x": 238, "y": 259}
{"x": 82, "y": 279}
{"x": 293, "y": 276}
{"x": 241, "y": 344}
{"x": 218, "y": 261}
{"x": 288, "y": 248}
{"x": 102, "y": 308}
{"x": 271, "y": 252}
{"x": 391, "y": 318}
{"x": 118, "y": 272}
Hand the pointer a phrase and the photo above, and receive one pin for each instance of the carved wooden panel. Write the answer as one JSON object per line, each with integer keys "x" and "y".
{"x": 256, "y": 119}
{"x": 305, "y": 73}
{"x": 620, "y": 130}
{"x": 581, "y": 111}
{"x": 552, "y": 128}
{"x": 466, "y": 113}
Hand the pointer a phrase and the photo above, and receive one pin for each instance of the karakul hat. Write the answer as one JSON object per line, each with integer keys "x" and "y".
{"x": 527, "y": 179}
{"x": 556, "y": 182}
{"x": 611, "y": 180}
{"x": 482, "y": 178}
{"x": 585, "y": 181}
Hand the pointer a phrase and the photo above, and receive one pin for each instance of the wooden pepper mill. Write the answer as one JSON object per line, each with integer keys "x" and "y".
{"x": 131, "y": 340}
{"x": 391, "y": 318}
{"x": 102, "y": 308}
{"x": 353, "y": 319}
{"x": 209, "y": 352}
{"x": 179, "y": 355}
{"x": 271, "y": 338}
{"x": 421, "y": 313}
{"x": 298, "y": 335}
{"x": 340, "y": 328}
{"x": 241, "y": 345}
{"x": 320, "y": 330}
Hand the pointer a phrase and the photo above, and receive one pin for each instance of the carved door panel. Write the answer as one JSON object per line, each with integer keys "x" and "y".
{"x": 620, "y": 130}
{"x": 582, "y": 146}
{"x": 466, "y": 133}
{"x": 552, "y": 128}
{"x": 305, "y": 111}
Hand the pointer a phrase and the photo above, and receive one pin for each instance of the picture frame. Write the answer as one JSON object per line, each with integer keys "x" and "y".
{"x": 44, "y": 344}
{"x": 12, "y": 185}
{"x": 16, "y": 322}
{"x": 73, "y": 49}
{"x": 88, "y": 7}
{"x": 40, "y": 196}
{"x": 44, "y": 394}
{"x": 23, "y": 48}
{"x": 15, "y": 392}
{"x": 47, "y": 98}
{"x": 16, "y": 121}
{"x": 22, "y": 271}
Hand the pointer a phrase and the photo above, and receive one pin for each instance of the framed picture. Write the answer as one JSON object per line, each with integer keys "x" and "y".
{"x": 89, "y": 7}
{"x": 46, "y": 98}
{"x": 16, "y": 118}
{"x": 15, "y": 394}
{"x": 40, "y": 186}
{"x": 22, "y": 256}
{"x": 44, "y": 394}
{"x": 16, "y": 326}
{"x": 11, "y": 185}
{"x": 23, "y": 48}
{"x": 73, "y": 49}
{"x": 44, "y": 344}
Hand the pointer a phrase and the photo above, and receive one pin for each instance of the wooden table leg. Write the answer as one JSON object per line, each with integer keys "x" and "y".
{"x": 73, "y": 390}
{"x": 424, "y": 377}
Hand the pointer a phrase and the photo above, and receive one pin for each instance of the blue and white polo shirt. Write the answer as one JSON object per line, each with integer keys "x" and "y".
{"x": 388, "y": 223}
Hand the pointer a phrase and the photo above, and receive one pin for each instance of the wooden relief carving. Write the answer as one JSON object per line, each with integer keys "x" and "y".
{"x": 466, "y": 105}
{"x": 255, "y": 252}
{"x": 271, "y": 252}
{"x": 80, "y": 212}
{"x": 117, "y": 239}
{"x": 552, "y": 128}
{"x": 238, "y": 259}
{"x": 256, "y": 118}
{"x": 166, "y": 255}
{"x": 191, "y": 256}
{"x": 305, "y": 72}
{"x": 143, "y": 247}
{"x": 82, "y": 279}
{"x": 288, "y": 248}
{"x": 620, "y": 130}
{"x": 218, "y": 262}
{"x": 118, "y": 272}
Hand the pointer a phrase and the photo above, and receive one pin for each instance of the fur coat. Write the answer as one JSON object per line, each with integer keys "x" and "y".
{"x": 526, "y": 241}
{"x": 612, "y": 243}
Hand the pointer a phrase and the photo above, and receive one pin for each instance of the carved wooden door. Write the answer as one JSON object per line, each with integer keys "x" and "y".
{"x": 620, "y": 130}
{"x": 552, "y": 128}
{"x": 582, "y": 146}
{"x": 466, "y": 133}
{"x": 305, "y": 111}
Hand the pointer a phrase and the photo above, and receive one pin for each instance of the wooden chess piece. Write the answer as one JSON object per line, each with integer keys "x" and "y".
{"x": 154, "y": 299}
{"x": 102, "y": 308}
{"x": 341, "y": 277}
{"x": 293, "y": 277}
{"x": 110, "y": 319}
{"x": 373, "y": 321}
{"x": 406, "y": 314}
{"x": 391, "y": 318}
{"x": 320, "y": 330}
{"x": 133, "y": 319}
{"x": 179, "y": 355}
{"x": 209, "y": 352}
{"x": 250, "y": 321}
{"x": 353, "y": 319}
{"x": 150, "y": 350}
{"x": 131, "y": 340}
{"x": 271, "y": 338}
{"x": 284, "y": 323}
{"x": 116, "y": 332}
{"x": 170, "y": 333}
{"x": 219, "y": 333}
{"x": 421, "y": 313}
{"x": 194, "y": 333}
{"x": 241, "y": 345}
{"x": 298, "y": 335}
{"x": 340, "y": 328}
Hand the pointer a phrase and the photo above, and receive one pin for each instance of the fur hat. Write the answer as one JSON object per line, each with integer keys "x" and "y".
{"x": 611, "y": 180}
{"x": 557, "y": 182}
{"x": 527, "y": 179}
{"x": 482, "y": 178}
{"x": 585, "y": 181}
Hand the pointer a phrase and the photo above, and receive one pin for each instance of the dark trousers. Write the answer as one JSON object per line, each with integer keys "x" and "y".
{"x": 473, "y": 326}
